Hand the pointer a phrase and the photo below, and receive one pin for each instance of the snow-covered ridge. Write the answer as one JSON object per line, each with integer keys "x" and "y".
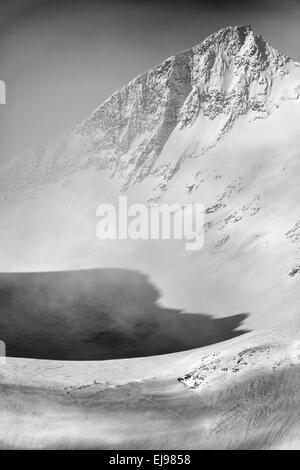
{"x": 232, "y": 73}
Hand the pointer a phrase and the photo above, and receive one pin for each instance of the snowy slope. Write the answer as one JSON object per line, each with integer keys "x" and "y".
{"x": 217, "y": 124}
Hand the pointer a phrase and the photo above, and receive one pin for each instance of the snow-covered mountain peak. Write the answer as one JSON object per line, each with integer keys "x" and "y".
{"x": 239, "y": 48}
{"x": 233, "y": 72}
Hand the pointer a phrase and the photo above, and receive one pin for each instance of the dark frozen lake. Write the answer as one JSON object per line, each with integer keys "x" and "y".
{"x": 99, "y": 314}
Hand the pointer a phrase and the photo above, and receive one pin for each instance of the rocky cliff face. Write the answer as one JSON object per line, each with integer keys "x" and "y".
{"x": 232, "y": 73}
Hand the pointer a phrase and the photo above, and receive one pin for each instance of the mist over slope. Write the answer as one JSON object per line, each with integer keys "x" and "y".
{"x": 217, "y": 124}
